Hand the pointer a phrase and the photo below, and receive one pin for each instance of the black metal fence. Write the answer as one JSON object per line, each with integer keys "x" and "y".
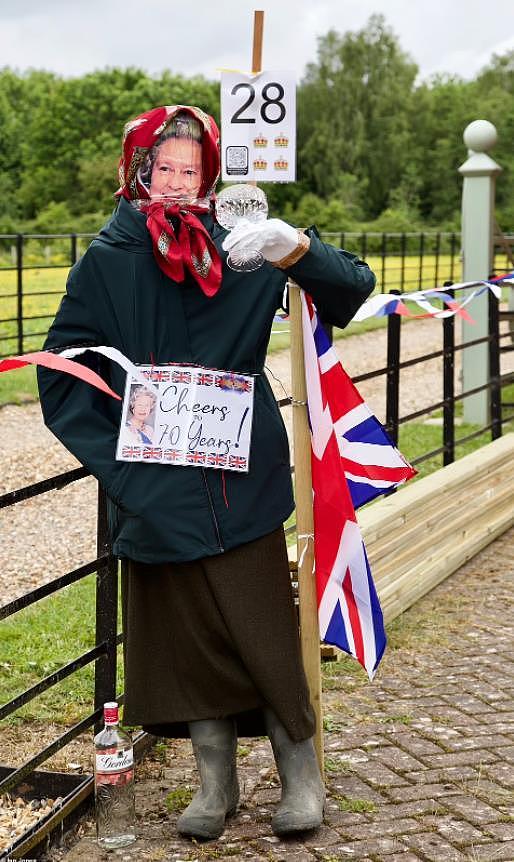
{"x": 401, "y": 261}
{"x": 104, "y": 653}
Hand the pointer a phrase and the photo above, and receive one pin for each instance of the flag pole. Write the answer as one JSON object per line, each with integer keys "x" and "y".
{"x": 309, "y": 625}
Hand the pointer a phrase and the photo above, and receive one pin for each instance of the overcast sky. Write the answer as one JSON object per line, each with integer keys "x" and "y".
{"x": 76, "y": 36}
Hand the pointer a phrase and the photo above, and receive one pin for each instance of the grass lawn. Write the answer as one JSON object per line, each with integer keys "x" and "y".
{"x": 38, "y": 640}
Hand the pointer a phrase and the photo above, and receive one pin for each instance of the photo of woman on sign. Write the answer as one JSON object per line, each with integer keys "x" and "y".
{"x": 139, "y": 426}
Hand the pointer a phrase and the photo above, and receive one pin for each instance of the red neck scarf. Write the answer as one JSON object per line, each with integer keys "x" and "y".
{"x": 190, "y": 246}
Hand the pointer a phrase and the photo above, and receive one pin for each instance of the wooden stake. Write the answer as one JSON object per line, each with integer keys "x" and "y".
{"x": 309, "y": 626}
{"x": 258, "y": 29}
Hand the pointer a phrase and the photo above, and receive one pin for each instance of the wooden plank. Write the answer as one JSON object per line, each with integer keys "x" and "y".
{"x": 448, "y": 529}
{"x": 427, "y": 576}
{"x": 472, "y": 537}
{"x": 396, "y": 510}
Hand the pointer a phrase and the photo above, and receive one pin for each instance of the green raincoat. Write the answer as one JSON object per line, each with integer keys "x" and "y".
{"x": 118, "y": 296}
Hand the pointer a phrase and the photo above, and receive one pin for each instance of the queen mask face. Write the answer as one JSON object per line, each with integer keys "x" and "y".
{"x": 173, "y": 168}
{"x": 177, "y": 169}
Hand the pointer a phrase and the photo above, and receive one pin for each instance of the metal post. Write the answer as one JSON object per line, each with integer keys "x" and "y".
{"x": 479, "y": 172}
{"x": 393, "y": 374}
{"x": 106, "y": 612}
{"x": 19, "y": 289}
{"x": 421, "y": 256}
{"x": 383, "y": 253}
{"x": 449, "y": 387}
{"x": 437, "y": 257}
{"x": 403, "y": 253}
{"x": 73, "y": 248}
{"x": 453, "y": 253}
{"x": 494, "y": 367}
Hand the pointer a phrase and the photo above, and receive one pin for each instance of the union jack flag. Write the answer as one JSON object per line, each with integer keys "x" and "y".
{"x": 173, "y": 454}
{"x": 181, "y": 376}
{"x": 213, "y": 459}
{"x": 158, "y": 375}
{"x": 204, "y": 379}
{"x": 237, "y": 462}
{"x": 351, "y": 454}
{"x": 131, "y": 452}
{"x": 195, "y": 457}
{"x": 152, "y": 454}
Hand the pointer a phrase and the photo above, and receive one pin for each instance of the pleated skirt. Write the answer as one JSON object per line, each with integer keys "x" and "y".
{"x": 214, "y": 638}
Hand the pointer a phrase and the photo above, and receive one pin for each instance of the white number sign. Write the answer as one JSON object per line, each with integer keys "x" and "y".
{"x": 258, "y": 126}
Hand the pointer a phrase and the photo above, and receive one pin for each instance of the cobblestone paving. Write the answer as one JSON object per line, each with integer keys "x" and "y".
{"x": 419, "y": 765}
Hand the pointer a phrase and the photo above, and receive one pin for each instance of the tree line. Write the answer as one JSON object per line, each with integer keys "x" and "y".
{"x": 377, "y": 148}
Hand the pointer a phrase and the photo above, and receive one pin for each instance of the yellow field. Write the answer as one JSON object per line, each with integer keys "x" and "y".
{"x": 38, "y": 302}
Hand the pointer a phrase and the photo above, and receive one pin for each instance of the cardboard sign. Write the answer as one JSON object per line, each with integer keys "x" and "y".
{"x": 187, "y": 416}
{"x": 258, "y": 126}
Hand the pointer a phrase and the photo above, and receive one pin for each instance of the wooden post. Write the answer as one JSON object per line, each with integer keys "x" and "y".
{"x": 309, "y": 626}
{"x": 258, "y": 29}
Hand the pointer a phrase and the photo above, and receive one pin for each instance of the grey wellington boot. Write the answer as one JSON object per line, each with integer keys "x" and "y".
{"x": 214, "y": 746}
{"x": 303, "y": 791}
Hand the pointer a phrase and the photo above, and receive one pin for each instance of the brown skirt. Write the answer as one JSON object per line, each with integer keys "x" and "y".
{"x": 214, "y": 638}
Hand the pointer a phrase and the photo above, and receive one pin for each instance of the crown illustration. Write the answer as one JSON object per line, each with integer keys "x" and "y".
{"x": 281, "y": 141}
{"x": 260, "y": 141}
{"x": 281, "y": 165}
{"x": 260, "y": 164}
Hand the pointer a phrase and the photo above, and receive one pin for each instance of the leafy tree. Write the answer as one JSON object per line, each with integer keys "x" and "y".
{"x": 353, "y": 112}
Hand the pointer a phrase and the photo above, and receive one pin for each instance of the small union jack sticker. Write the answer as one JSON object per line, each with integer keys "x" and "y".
{"x": 204, "y": 379}
{"x": 160, "y": 376}
{"x": 215, "y": 460}
{"x": 195, "y": 457}
{"x": 235, "y": 461}
{"x": 131, "y": 452}
{"x": 173, "y": 454}
{"x": 181, "y": 376}
{"x": 152, "y": 454}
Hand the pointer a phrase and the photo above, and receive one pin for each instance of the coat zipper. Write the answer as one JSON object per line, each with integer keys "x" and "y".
{"x": 213, "y": 512}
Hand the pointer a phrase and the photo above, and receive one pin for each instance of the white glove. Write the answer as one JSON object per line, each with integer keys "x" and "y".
{"x": 274, "y": 238}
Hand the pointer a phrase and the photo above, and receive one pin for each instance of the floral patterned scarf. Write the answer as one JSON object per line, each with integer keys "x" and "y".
{"x": 189, "y": 245}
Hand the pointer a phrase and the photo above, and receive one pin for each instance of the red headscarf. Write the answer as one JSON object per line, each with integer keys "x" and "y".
{"x": 191, "y": 245}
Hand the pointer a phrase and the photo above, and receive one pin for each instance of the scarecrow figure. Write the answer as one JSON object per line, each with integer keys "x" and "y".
{"x": 211, "y": 644}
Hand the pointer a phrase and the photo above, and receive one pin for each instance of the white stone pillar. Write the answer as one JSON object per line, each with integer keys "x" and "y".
{"x": 479, "y": 172}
